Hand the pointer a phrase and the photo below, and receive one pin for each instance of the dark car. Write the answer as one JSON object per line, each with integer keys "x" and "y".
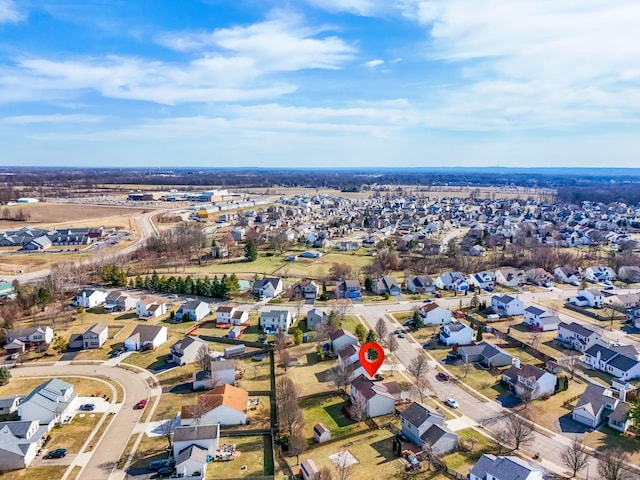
{"x": 57, "y": 453}
{"x": 141, "y": 404}
{"x": 443, "y": 377}
{"x": 87, "y": 407}
{"x": 428, "y": 300}
{"x": 437, "y": 295}
{"x": 163, "y": 472}
{"x": 156, "y": 465}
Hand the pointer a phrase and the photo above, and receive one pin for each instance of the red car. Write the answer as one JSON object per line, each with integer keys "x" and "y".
{"x": 443, "y": 377}
{"x": 141, "y": 404}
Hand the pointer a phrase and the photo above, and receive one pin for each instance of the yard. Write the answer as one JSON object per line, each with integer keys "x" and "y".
{"x": 547, "y": 412}
{"x": 82, "y": 386}
{"x": 475, "y": 445}
{"x": 150, "y": 448}
{"x": 73, "y": 435}
{"x": 35, "y": 473}
{"x": 608, "y": 438}
{"x": 152, "y": 359}
{"x": 172, "y": 401}
{"x": 312, "y": 375}
{"x": 256, "y": 374}
{"x": 249, "y": 462}
{"x": 328, "y": 410}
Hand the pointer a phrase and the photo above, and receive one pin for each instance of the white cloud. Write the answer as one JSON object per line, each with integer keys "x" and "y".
{"x": 9, "y": 12}
{"x": 373, "y": 63}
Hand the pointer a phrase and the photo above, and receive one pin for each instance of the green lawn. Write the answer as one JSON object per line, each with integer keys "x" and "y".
{"x": 475, "y": 445}
{"x": 328, "y": 410}
{"x": 151, "y": 359}
{"x": 249, "y": 462}
{"x": 73, "y": 435}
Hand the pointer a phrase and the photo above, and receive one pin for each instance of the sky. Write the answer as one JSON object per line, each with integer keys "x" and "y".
{"x": 320, "y": 83}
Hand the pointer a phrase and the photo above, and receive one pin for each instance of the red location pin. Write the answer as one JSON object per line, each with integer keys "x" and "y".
{"x": 371, "y": 366}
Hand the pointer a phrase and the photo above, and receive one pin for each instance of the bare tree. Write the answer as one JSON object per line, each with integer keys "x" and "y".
{"x": 341, "y": 306}
{"x": 341, "y": 271}
{"x": 466, "y": 368}
{"x": 358, "y": 409}
{"x": 516, "y": 430}
{"x": 325, "y": 473}
{"x": 381, "y": 330}
{"x": 529, "y": 394}
{"x": 297, "y": 442}
{"x": 611, "y": 465}
{"x": 419, "y": 368}
{"x": 289, "y": 412}
{"x": 340, "y": 377}
{"x": 392, "y": 343}
{"x": 166, "y": 429}
{"x": 574, "y": 456}
{"x": 281, "y": 342}
{"x": 284, "y": 357}
{"x": 203, "y": 359}
{"x": 570, "y": 362}
{"x": 344, "y": 468}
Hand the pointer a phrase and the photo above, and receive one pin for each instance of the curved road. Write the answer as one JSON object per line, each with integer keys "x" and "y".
{"x": 110, "y": 447}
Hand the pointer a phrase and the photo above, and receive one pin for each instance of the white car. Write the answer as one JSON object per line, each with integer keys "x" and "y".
{"x": 451, "y": 402}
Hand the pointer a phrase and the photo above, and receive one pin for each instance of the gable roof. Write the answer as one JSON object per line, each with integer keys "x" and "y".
{"x": 192, "y": 452}
{"x": 417, "y": 414}
{"x": 502, "y": 468}
{"x": 593, "y": 399}
{"x": 369, "y": 389}
{"x": 223, "y": 395}
{"x": 196, "y": 432}
{"x": 145, "y": 333}
{"x": 576, "y": 328}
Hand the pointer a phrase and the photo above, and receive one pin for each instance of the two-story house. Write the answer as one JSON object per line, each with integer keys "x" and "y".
{"x": 150, "y": 307}
{"x": 90, "y": 297}
{"x": 568, "y": 275}
{"x": 420, "y": 284}
{"x": 32, "y": 336}
{"x": 529, "y": 380}
{"x": 372, "y": 397}
{"x": 384, "y": 285}
{"x": 95, "y": 336}
{"x": 510, "y": 277}
{"x": 426, "y": 428}
{"x": 599, "y": 274}
{"x": 506, "y": 305}
{"x": 456, "y": 334}
{"x": 433, "y": 314}
{"x": 306, "y": 289}
{"x": 267, "y": 287}
{"x": 193, "y": 446}
{"x": 193, "y": 311}
{"x": 452, "y": 281}
{"x": 483, "y": 280}
{"x": 316, "y": 317}
{"x": 576, "y": 336}
{"x": 50, "y": 403}
{"x": 340, "y": 338}
{"x": 188, "y": 350}
{"x": 621, "y": 361}
{"x": 19, "y": 443}
{"x": 588, "y": 297}
{"x": 540, "y": 320}
{"x": 272, "y": 320}
{"x": 348, "y": 289}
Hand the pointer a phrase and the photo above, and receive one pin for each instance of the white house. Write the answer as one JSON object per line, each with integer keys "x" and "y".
{"x": 576, "y": 336}
{"x": 372, "y": 397}
{"x": 491, "y": 467}
{"x": 272, "y": 320}
{"x": 146, "y": 336}
{"x": 510, "y": 277}
{"x": 192, "y": 446}
{"x": 621, "y": 361}
{"x": 540, "y": 320}
{"x": 420, "y": 284}
{"x": 340, "y": 338}
{"x": 267, "y": 287}
{"x": 433, "y": 314}
{"x": 223, "y": 405}
{"x": 568, "y": 275}
{"x": 589, "y": 297}
{"x": 530, "y": 380}
{"x": 150, "y": 307}
{"x": 222, "y": 371}
{"x": 95, "y": 336}
{"x": 598, "y": 404}
{"x": 90, "y": 297}
{"x": 456, "y": 334}
{"x": 187, "y": 350}
{"x": 348, "y": 355}
{"x": 19, "y": 443}
{"x": 452, "y": 281}
{"x": 31, "y": 336}
{"x": 193, "y": 310}
{"x": 483, "y": 280}
{"x": 599, "y": 274}
{"x": 224, "y": 313}
{"x": 51, "y": 402}
{"x": 506, "y": 305}
{"x": 426, "y": 429}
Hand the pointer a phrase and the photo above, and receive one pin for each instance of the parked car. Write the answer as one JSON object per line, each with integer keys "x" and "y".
{"x": 141, "y": 404}
{"x": 443, "y": 377}
{"x": 437, "y": 295}
{"x": 451, "y": 402}
{"x": 117, "y": 353}
{"x": 401, "y": 335}
{"x": 87, "y": 407}
{"x": 158, "y": 464}
{"x": 428, "y": 300}
{"x": 163, "y": 472}
{"x": 57, "y": 453}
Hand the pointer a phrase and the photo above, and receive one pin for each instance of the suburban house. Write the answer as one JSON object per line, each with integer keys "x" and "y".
{"x": 90, "y": 297}
{"x": 224, "y": 405}
{"x": 483, "y": 280}
{"x": 118, "y": 301}
{"x": 589, "y": 297}
{"x": 321, "y": 433}
{"x": 348, "y": 355}
{"x": 146, "y": 337}
{"x": 506, "y": 305}
{"x": 529, "y": 380}
{"x": 624, "y": 301}
{"x": 150, "y": 307}
{"x": 192, "y": 447}
{"x": 510, "y": 277}
{"x": 340, "y": 338}
{"x": 372, "y": 397}
{"x": 348, "y": 289}
{"x": 19, "y": 443}
{"x": 356, "y": 370}
{"x": 192, "y": 311}
{"x": 32, "y": 336}
{"x": 456, "y": 334}
{"x": 267, "y": 287}
{"x": 621, "y": 361}
{"x": 187, "y": 350}
{"x": 597, "y": 404}
{"x": 95, "y": 336}
{"x": 51, "y": 402}
{"x": 540, "y": 320}
{"x": 627, "y": 273}
{"x": 599, "y": 274}
{"x": 539, "y": 276}
{"x": 221, "y": 372}
{"x": 568, "y": 275}
{"x": 230, "y": 315}
{"x": 8, "y": 405}
{"x": 272, "y": 320}
{"x": 420, "y": 284}
{"x": 452, "y": 281}
{"x": 576, "y": 336}
{"x": 384, "y": 285}
{"x": 426, "y": 429}
{"x": 433, "y": 314}
{"x": 491, "y": 467}
{"x": 306, "y": 289}
{"x": 316, "y": 317}
{"x": 485, "y": 354}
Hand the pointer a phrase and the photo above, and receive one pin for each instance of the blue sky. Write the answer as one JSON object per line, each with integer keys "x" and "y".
{"x": 323, "y": 83}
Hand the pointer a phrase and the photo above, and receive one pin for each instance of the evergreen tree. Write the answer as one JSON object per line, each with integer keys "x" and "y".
{"x": 251, "y": 251}
{"x": 139, "y": 281}
{"x": 360, "y": 332}
{"x": 479, "y": 334}
{"x": 371, "y": 336}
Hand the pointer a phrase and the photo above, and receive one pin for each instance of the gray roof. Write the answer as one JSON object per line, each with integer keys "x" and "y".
{"x": 623, "y": 363}
{"x": 592, "y": 399}
{"x": 220, "y": 365}
{"x": 432, "y": 435}
{"x": 145, "y": 333}
{"x": 188, "y": 341}
{"x": 416, "y": 414}
{"x": 6, "y": 402}
{"x": 96, "y": 328}
{"x": 47, "y": 394}
{"x": 192, "y": 452}
{"x": 12, "y": 436}
{"x": 534, "y": 310}
{"x": 504, "y": 298}
{"x": 502, "y": 468}
{"x": 195, "y": 432}
{"x": 577, "y": 328}
{"x": 192, "y": 305}
{"x": 606, "y": 353}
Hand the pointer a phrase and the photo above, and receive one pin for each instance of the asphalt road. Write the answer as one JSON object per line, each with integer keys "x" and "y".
{"x": 99, "y": 464}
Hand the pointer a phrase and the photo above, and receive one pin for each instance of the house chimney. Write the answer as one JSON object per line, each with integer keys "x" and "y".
{"x": 622, "y": 394}
{"x": 516, "y": 362}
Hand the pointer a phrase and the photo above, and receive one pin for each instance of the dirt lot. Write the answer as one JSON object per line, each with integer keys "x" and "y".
{"x": 51, "y": 214}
